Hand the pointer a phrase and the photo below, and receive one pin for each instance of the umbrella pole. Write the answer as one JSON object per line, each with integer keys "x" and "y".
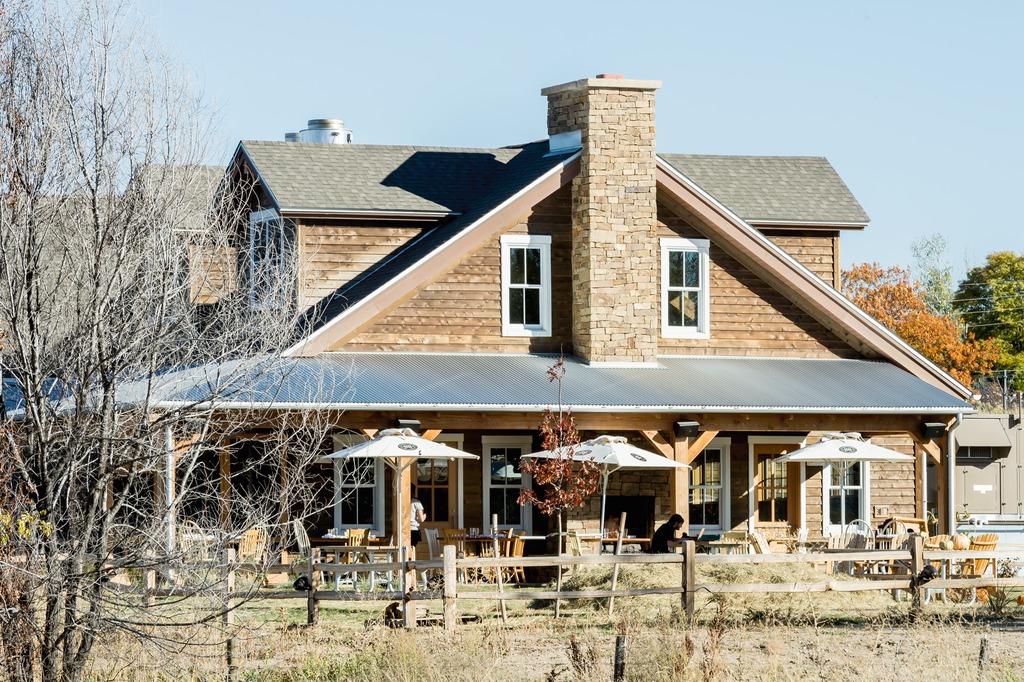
{"x": 604, "y": 496}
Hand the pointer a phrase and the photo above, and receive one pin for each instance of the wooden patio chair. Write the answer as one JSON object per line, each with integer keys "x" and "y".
{"x": 977, "y": 568}
{"x": 740, "y": 537}
{"x": 252, "y": 549}
{"x": 759, "y": 542}
{"x": 192, "y": 542}
{"x": 516, "y": 546}
{"x": 305, "y": 548}
{"x": 432, "y": 537}
{"x": 457, "y": 538}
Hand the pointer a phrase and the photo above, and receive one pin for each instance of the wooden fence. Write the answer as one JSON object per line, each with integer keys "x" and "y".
{"x": 911, "y": 561}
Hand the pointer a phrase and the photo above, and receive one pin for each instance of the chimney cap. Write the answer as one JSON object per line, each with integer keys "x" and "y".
{"x": 602, "y": 81}
{"x": 611, "y": 76}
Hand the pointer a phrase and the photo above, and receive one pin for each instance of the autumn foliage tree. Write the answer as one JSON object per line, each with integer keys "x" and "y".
{"x": 565, "y": 483}
{"x": 893, "y": 298}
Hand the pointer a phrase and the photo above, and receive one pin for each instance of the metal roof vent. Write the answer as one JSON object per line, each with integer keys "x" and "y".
{"x": 326, "y": 131}
{"x": 291, "y": 137}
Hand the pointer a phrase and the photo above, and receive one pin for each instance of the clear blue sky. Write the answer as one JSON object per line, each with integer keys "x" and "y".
{"x": 917, "y": 104}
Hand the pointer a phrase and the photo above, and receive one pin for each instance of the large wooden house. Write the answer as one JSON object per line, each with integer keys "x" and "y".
{"x": 693, "y": 297}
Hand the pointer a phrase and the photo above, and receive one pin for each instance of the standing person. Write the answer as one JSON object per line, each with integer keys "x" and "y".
{"x": 664, "y": 540}
{"x": 417, "y": 515}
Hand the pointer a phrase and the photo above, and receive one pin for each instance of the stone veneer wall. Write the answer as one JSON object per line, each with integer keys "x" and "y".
{"x": 615, "y": 256}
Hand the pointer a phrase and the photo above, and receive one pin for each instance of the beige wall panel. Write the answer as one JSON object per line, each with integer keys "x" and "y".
{"x": 332, "y": 255}
{"x": 461, "y": 311}
{"x": 748, "y": 317}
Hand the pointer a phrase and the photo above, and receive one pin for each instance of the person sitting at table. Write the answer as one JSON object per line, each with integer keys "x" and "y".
{"x": 664, "y": 539}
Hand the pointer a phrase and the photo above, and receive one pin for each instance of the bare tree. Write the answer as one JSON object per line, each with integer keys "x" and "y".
{"x": 127, "y": 325}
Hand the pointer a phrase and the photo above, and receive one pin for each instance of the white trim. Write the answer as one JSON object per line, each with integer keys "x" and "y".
{"x": 802, "y": 224}
{"x": 368, "y": 300}
{"x": 500, "y": 407}
{"x": 488, "y": 442}
{"x": 702, "y": 247}
{"x": 344, "y": 440}
{"x": 724, "y": 445}
{"x": 456, "y": 440}
{"x": 542, "y": 243}
{"x": 751, "y": 469}
{"x": 836, "y": 296}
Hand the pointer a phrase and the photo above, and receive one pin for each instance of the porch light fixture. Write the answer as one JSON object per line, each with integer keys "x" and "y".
{"x": 686, "y": 429}
{"x": 413, "y": 424}
{"x": 933, "y": 430}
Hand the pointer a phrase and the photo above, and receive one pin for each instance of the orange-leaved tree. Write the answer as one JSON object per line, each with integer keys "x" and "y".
{"x": 897, "y": 301}
{"x": 566, "y": 483}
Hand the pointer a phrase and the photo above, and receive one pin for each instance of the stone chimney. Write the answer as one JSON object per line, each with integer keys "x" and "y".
{"x": 615, "y": 251}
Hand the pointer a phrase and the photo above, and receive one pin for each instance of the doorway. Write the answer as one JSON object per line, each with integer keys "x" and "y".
{"x": 776, "y": 490}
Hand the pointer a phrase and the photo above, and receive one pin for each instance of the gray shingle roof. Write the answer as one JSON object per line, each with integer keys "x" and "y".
{"x": 777, "y": 188}
{"x": 351, "y": 177}
{"x": 355, "y": 381}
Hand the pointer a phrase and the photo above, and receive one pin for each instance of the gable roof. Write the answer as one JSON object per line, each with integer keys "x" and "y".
{"x": 774, "y": 189}
{"x": 771, "y": 263}
{"x": 350, "y": 178}
{"x": 528, "y": 176}
{"x": 512, "y": 180}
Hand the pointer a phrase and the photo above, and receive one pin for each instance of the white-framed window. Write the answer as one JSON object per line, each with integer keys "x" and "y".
{"x": 267, "y": 258}
{"x": 358, "y": 489}
{"x": 504, "y": 480}
{"x": 685, "y": 296}
{"x": 525, "y": 285}
{"x": 709, "y": 487}
{"x": 846, "y": 494}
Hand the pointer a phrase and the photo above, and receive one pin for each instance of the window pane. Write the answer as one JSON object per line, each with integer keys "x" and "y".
{"x": 440, "y": 471}
{"x": 423, "y": 472}
{"x": 675, "y": 269}
{"x": 675, "y": 312}
{"x": 531, "y": 305}
{"x": 692, "y": 269}
{"x": 690, "y": 316}
{"x": 533, "y": 266}
{"x": 517, "y": 267}
{"x": 515, "y": 306}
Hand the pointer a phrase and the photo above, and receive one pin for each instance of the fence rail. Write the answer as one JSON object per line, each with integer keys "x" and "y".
{"x": 905, "y": 563}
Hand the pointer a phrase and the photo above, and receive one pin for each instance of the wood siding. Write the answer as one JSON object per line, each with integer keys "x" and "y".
{"x": 461, "y": 311}
{"x": 817, "y": 252}
{"x": 333, "y": 254}
{"x": 747, "y": 316}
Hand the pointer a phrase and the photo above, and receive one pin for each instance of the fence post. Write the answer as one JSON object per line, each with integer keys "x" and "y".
{"x": 689, "y": 578}
{"x": 149, "y": 578}
{"x": 312, "y": 603}
{"x": 409, "y": 583}
{"x": 618, "y": 550}
{"x": 450, "y": 583}
{"x": 916, "y": 566}
{"x": 620, "y": 658}
{"x": 229, "y": 612}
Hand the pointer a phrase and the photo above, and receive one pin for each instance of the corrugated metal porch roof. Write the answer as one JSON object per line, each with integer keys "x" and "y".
{"x": 362, "y": 381}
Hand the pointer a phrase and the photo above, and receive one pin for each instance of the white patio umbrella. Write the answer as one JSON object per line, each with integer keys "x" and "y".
{"x": 611, "y": 453}
{"x": 844, "y": 447}
{"x": 399, "y": 449}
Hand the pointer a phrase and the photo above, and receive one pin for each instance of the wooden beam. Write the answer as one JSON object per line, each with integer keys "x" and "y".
{"x": 930, "y": 446}
{"x": 920, "y": 481}
{"x": 679, "y": 482}
{"x": 698, "y": 445}
{"x": 225, "y": 486}
{"x": 431, "y": 434}
{"x": 658, "y": 442}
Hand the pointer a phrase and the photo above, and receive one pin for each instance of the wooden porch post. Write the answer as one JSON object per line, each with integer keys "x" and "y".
{"x": 920, "y": 481}
{"x": 225, "y": 486}
{"x": 679, "y": 481}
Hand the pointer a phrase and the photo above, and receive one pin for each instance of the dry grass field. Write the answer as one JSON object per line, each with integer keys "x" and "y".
{"x": 832, "y": 636}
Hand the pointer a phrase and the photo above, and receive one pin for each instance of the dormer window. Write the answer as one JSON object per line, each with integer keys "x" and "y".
{"x": 685, "y": 298}
{"x": 267, "y": 262}
{"x": 526, "y": 285}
